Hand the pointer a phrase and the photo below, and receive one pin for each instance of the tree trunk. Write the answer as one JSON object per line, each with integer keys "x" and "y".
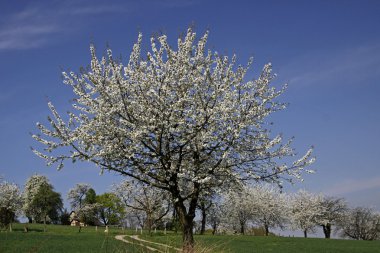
{"x": 45, "y": 223}
{"x": 327, "y": 230}
{"x": 188, "y": 239}
{"x": 242, "y": 228}
{"x": 305, "y": 233}
{"x": 266, "y": 230}
{"x": 203, "y": 227}
{"x": 187, "y": 221}
{"x": 10, "y": 227}
{"x": 214, "y": 227}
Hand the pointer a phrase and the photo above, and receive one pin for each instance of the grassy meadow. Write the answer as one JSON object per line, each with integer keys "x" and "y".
{"x": 68, "y": 239}
{"x": 272, "y": 244}
{"x": 59, "y": 239}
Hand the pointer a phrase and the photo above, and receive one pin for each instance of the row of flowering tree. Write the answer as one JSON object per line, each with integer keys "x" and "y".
{"x": 260, "y": 206}
{"x": 269, "y": 208}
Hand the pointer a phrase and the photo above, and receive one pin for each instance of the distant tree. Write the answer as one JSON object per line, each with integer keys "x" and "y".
{"x": 48, "y": 204}
{"x": 90, "y": 207}
{"x": 90, "y": 197}
{"x": 204, "y": 205}
{"x": 10, "y": 203}
{"x": 269, "y": 208}
{"x": 333, "y": 212}
{"x": 149, "y": 204}
{"x": 305, "y": 211}
{"x": 82, "y": 199}
{"x": 65, "y": 217}
{"x": 215, "y": 216}
{"x": 183, "y": 120}
{"x": 31, "y": 188}
{"x": 77, "y": 195}
{"x": 110, "y": 208}
{"x": 361, "y": 224}
{"x": 238, "y": 207}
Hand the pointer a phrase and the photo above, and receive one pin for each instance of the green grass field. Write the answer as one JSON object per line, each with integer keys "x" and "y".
{"x": 59, "y": 239}
{"x": 261, "y": 244}
{"x": 67, "y": 239}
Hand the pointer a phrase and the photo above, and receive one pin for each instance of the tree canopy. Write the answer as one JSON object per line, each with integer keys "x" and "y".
{"x": 184, "y": 120}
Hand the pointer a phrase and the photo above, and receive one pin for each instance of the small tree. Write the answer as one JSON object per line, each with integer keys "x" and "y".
{"x": 77, "y": 194}
{"x": 31, "y": 188}
{"x": 238, "y": 206}
{"x": 306, "y": 211}
{"x": 48, "y": 204}
{"x": 64, "y": 217}
{"x": 204, "y": 205}
{"x": 90, "y": 207}
{"x": 149, "y": 204}
{"x": 82, "y": 199}
{"x": 10, "y": 203}
{"x": 110, "y": 208}
{"x": 334, "y": 211}
{"x": 215, "y": 216}
{"x": 361, "y": 224}
{"x": 184, "y": 121}
{"x": 269, "y": 207}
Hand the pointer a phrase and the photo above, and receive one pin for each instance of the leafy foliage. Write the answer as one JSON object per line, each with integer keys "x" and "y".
{"x": 47, "y": 203}
{"x": 110, "y": 208}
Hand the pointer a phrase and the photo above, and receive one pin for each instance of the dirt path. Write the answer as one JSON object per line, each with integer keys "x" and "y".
{"x": 142, "y": 241}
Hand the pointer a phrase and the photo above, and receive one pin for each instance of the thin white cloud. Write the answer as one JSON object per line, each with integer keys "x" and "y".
{"x": 36, "y": 25}
{"x": 25, "y": 37}
{"x": 353, "y": 185}
{"x": 335, "y": 68}
{"x": 41, "y": 23}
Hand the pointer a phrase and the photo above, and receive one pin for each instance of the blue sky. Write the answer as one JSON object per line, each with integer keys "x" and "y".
{"x": 328, "y": 52}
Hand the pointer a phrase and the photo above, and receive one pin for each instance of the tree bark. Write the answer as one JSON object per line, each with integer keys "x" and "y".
{"x": 242, "y": 228}
{"x": 203, "y": 227}
{"x": 266, "y": 230}
{"x": 214, "y": 227}
{"x": 44, "y": 223}
{"x": 149, "y": 223}
{"x": 188, "y": 239}
{"x": 186, "y": 217}
{"x": 327, "y": 230}
{"x": 305, "y": 233}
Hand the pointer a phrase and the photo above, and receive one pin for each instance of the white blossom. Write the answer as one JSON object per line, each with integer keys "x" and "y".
{"x": 183, "y": 120}
{"x": 10, "y": 197}
{"x": 306, "y": 211}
